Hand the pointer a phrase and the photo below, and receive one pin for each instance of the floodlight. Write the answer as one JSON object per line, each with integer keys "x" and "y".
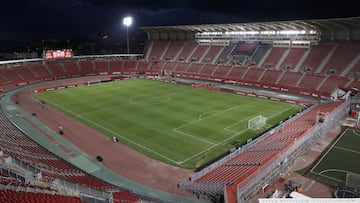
{"x": 127, "y": 21}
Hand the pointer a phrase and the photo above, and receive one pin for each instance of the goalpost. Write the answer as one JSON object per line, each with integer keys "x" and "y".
{"x": 257, "y": 122}
{"x": 93, "y": 82}
{"x": 352, "y": 180}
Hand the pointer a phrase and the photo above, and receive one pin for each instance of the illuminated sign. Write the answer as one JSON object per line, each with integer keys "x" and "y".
{"x": 58, "y": 54}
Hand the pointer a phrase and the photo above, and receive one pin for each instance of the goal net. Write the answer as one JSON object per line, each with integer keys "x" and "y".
{"x": 352, "y": 180}
{"x": 257, "y": 122}
{"x": 94, "y": 82}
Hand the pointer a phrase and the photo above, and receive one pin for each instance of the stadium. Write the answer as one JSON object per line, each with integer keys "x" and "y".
{"x": 207, "y": 113}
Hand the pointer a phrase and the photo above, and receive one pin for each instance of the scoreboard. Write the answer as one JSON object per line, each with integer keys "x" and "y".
{"x": 58, "y": 54}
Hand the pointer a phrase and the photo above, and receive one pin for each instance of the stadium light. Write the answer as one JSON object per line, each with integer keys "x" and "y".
{"x": 127, "y": 21}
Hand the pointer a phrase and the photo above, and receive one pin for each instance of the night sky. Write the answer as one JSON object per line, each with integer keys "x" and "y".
{"x": 44, "y": 19}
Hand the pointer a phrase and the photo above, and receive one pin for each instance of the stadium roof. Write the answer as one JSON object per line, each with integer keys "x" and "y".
{"x": 324, "y": 26}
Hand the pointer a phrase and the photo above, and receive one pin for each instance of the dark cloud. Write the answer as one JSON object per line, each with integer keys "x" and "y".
{"x": 249, "y": 9}
{"x": 133, "y": 4}
{"x": 48, "y": 18}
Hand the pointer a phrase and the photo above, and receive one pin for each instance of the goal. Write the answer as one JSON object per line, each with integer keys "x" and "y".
{"x": 352, "y": 180}
{"x": 257, "y": 122}
{"x": 93, "y": 82}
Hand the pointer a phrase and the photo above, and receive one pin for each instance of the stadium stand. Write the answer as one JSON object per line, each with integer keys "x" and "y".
{"x": 24, "y": 196}
{"x": 198, "y": 53}
{"x": 16, "y": 145}
{"x": 182, "y": 67}
{"x": 293, "y": 58}
{"x": 208, "y": 69}
{"x": 195, "y": 68}
{"x": 333, "y": 81}
{"x": 225, "y": 54}
{"x": 116, "y": 66}
{"x": 101, "y": 66}
{"x": 270, "y": 76}
{"x": 355, "y": 71}
{"x": 254, "y": 74}
{"x": 212, "y": 54}
{"x": 146, "y": 66}
{"x": 259, "y": 54}
{"x": 222, "y": 71}
{"x": 317, "y": 54}
{"x": 157, "y": 49}
{"x": 9, "y": 76}
{"x": 170, "y": 66}
{"x": 40, "y": 71}
{"x": 186, "y": 51}
{"x": 56, "y": 69}
{"x": 72, "y": 70}
{"x": 130, "y": 66}
{"x": 289, "y": 78}
{"x": 173, "y": 50}
{"x": 87, "y": 67}
{"x": 311, "y": 81}
{"x": 274, "y": 57}
{"x": 24, "y": 73}
{"x": 237, "y": 73}
{"x": 124, "y": 196}
{"x": 341, "y": 58}
{"x": 243, "y": 52}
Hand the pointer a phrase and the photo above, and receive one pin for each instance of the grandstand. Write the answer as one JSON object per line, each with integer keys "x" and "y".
{"x": 305, "y": 58}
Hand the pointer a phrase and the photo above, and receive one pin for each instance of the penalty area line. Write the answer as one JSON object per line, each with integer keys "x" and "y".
{"x": 326, "y": 176}
{"x": 326, "y": 153}
{"x": 225, "y": 140}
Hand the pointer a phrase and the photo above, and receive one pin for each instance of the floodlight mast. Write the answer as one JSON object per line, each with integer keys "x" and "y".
{"x": 127, "y": 21}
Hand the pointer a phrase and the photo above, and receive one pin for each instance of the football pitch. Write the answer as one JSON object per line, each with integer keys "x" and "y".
{"x": 177, "y": 124}
{"x": 340, "y": 163}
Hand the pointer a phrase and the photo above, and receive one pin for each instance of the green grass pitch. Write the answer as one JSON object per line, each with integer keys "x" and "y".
{"x": 177, "y": 124}
{"x": 342, "y": 157}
